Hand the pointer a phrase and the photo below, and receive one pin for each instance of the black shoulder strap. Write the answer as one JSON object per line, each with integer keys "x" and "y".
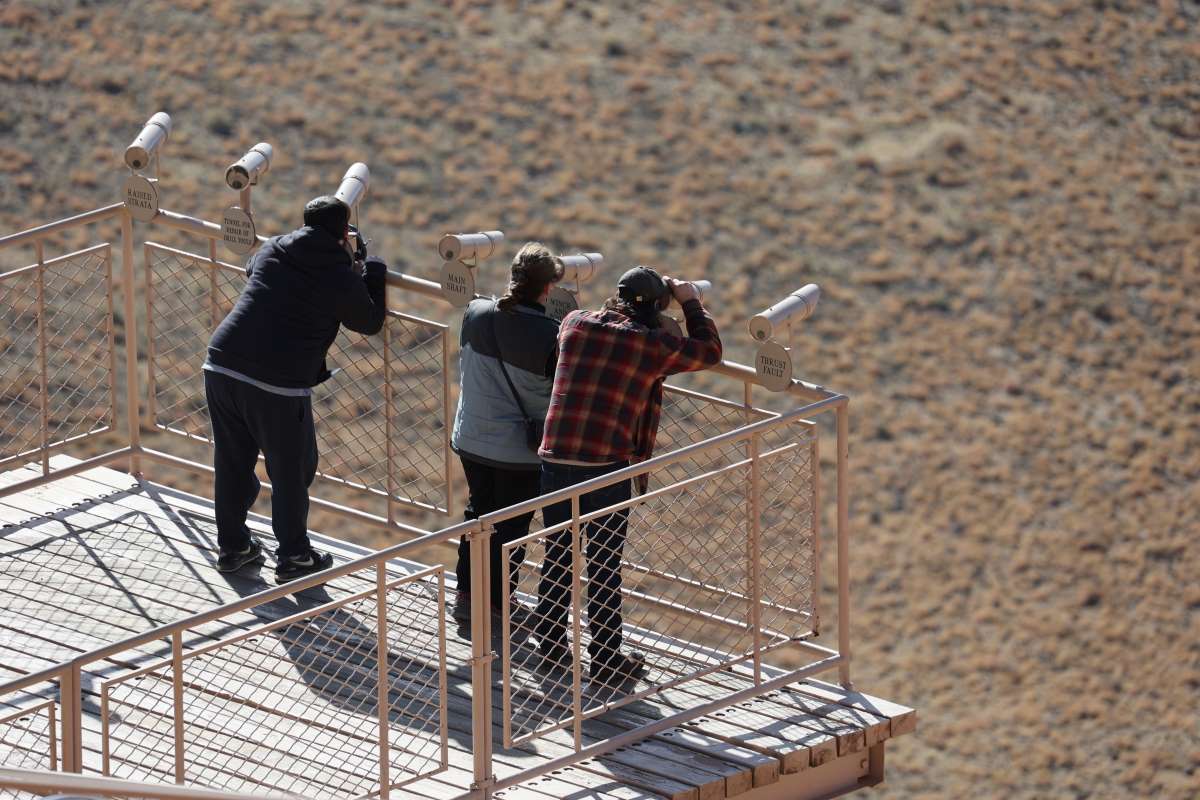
{"x": 500, "y": 358}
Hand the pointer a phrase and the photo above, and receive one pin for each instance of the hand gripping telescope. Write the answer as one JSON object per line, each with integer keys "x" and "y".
{"x": 773, "y": 361}
{"x": 461, "y": 253}
{"x": 141, "y": 192}
{"x": 671, "y": 324}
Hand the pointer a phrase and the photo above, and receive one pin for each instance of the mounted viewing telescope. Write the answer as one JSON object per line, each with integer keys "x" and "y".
{"x": 703, "y": 287}
{"x": 669, "y": 323}
{"x": 354, "y": 184}
{"x": 796, "y": 307}
{"x": 249, "y": 168}
{"x": 156, "y": 131}
{"x": 463, "y": 246}
{"x": 773, "y": 360}
{"x": 461, "y": 253}
{"x": 580, "y": 267}
{"x": 237, "y": 224}
{"x": 141, "y": 192}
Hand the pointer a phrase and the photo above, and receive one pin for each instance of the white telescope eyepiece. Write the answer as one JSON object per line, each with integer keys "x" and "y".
{"x": 154, "y": 133}
{"x": 249, "y": 168}
{"x": 796, "y": 307}
{"x": 581, "y": 267}
{"x": 354, "y": 184}
{"x": 463, "y": 246}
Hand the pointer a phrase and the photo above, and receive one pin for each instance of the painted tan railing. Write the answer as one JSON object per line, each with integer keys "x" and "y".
{"x": 45, "y": 783}
{"x": 722, "y": 560}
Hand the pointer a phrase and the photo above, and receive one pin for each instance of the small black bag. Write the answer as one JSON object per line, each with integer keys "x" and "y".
{"x": 533, "y": 433}
{"x": 533, "y": 427}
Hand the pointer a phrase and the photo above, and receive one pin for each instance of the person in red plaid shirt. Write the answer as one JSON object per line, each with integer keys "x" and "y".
{"x": 603, "y": 415}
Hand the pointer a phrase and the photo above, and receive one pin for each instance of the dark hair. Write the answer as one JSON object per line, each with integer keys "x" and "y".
{"x": 329, "y": 214}
{"x": 646, "y": 313}
{"x": 534, "y": 268}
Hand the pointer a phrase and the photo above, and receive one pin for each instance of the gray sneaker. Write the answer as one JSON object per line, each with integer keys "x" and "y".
{"x": 233, "y": 560}
{"x": 289, "y": 569}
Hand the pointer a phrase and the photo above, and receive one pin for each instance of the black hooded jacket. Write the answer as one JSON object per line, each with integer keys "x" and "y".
{"x": 299, "y": 288}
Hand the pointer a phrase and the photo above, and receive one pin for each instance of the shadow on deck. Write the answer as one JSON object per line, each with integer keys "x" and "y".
{"x": 285, "y": 696}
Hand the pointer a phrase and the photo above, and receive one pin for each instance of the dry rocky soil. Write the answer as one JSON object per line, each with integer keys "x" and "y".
{"x": 1000, "y": 200}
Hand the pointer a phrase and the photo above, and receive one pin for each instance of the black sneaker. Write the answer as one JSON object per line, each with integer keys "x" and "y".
{"x": 293, "y": 567}
{"x": 619, "y": 670}
{"x": 553, "y": 658}
{"x": 461, "y": 611}
{"x": 233, "y": 560}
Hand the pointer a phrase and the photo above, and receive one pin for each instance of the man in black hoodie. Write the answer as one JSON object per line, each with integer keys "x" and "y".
{"x": 263, "y": 361}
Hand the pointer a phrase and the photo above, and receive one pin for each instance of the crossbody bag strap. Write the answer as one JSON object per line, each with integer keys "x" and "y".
{"x": 500, "y": 358}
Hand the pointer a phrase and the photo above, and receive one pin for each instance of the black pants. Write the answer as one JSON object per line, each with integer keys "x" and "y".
{"x": 245, "y": 421}
{"x": 491, "y": 489}
{"x": 604, "y": 543}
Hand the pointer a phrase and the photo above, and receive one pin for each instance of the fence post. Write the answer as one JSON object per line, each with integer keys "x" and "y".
{"x": 70, "y": 692}
{"x": 43, "y": 373}
{"x": 843, "y": 539}
{"x": 385, "y": 705}
{"x": 481, "y": 660}
{"x": 754, "y": 555}
{"x": 388, "y": 445}
{"x": 132, "y": 388}
{"x": 576, "y": 624}
{"x": 177, "y": 697}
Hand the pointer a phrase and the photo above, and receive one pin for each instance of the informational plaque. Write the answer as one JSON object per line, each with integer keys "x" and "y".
{"x": 561, "y": 302}
{"x": 237, "y": 230}
{"x": 773, "y": 364}
{"x": 141, "y": 198}
{"x": 458, "y": 284}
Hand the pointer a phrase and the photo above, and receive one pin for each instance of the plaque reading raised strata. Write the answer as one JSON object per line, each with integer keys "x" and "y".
{"x": 141, "y": 198}
{"x": 561, "y": 302}
{"x": 237, "y": 230}
{"x": 458, "y": 284}
{"x": 773, "y": 365}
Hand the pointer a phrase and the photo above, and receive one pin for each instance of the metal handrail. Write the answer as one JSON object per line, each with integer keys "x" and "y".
{"x": 67, "y": 673}
{"x": 41, "y": 782}
{"x": 675, "y": 456}
{"x": 402, "y": 549}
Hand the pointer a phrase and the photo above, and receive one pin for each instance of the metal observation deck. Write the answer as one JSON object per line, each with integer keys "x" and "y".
{"x": 129, "y": 667}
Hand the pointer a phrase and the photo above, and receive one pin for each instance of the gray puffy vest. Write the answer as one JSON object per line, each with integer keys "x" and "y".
{"x": 488, "y": 426}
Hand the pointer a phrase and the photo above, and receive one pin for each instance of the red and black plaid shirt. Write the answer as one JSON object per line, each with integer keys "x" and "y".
{"x": 607, "y": 392}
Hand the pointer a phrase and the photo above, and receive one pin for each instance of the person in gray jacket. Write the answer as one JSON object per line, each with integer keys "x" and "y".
{"x": 512, "y": 335}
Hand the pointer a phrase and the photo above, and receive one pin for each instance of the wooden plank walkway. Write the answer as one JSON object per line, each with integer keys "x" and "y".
{"x": 95, "y": 558}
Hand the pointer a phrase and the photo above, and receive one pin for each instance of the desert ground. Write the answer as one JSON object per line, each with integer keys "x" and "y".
{"x": 1000, "y": 201}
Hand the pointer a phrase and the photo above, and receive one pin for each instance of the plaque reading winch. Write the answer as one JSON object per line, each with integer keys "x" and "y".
{"x": 237, "y": 230}
{"x": 141, "y": 198}
{"x": 458, "y": 283}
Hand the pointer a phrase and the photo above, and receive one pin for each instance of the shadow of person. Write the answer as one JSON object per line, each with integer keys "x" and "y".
{"x": 332, "y": 646}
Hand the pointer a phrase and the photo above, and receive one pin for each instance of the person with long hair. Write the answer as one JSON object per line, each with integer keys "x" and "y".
{"x": 508, "y": 354}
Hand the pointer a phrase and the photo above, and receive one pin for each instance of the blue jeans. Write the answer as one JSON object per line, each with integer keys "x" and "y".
{"x": 604, "y": 539}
